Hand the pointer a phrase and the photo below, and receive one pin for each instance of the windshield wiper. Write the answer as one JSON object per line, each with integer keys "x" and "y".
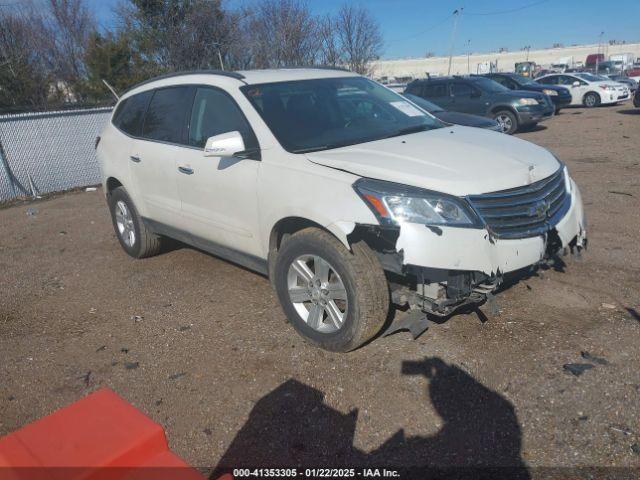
{"x": 408, "y": 130}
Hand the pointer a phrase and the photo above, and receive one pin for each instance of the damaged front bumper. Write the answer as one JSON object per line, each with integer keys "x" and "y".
{"x": 440, "y": 269}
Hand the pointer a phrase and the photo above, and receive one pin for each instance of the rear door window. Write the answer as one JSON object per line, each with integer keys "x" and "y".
{"x": 460, "y": 89}
{"x": 435, "y": 90}
{"x": 129, "y": 114}
{"x": 165, "y": 118}
{"x": 213, "y": 113}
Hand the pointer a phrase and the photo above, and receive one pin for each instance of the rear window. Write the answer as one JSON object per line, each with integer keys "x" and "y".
{"x": 165, "y": 116}
{"x": 129, "y": 114}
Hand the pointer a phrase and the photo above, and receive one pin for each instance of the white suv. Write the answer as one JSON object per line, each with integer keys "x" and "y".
{"x": 347, "y": 195}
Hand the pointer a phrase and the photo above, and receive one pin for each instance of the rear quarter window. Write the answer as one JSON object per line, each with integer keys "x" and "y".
{"x": 130, "y": 113}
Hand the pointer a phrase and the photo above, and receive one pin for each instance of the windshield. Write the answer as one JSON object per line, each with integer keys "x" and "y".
{"x": 424, "y": 104}
{"x": 588, "y": 76}
{"x": 319, "y": 114}
{"x": 488, "y": 85}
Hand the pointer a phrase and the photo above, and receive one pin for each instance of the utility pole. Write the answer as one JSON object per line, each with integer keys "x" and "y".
{"x": 598, "y": 55}
{"x": 468, "y": 57}
{"x": 217, "y": 45}
{"x": 456, "y": 14}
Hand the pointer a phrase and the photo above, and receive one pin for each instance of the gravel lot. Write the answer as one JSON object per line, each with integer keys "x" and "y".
{"x": 202, "y": 347}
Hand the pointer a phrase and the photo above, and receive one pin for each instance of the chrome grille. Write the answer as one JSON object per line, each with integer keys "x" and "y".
{"x": 524, "y": 211}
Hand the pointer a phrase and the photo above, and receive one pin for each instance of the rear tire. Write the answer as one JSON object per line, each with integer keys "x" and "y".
{"x": 357, "y": 274}
{"x": 507, "y": 121}
{"x": 591, "y": 99}
{"x": 134, "y": 237}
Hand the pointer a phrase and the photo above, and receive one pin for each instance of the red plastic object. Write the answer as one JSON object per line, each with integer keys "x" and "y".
{"x": 100, "y": 437}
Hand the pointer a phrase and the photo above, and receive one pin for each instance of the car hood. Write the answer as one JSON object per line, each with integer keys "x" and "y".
{"x": 465, "y": 119}
{"x": 454, "y": 160}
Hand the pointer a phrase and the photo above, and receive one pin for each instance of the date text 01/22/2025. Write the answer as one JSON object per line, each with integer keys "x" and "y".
{"x": 315, "y": 473}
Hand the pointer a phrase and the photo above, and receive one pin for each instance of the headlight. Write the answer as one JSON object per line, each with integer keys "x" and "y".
{"x": 607, "y": 87}
{"x": 551, "y": 93}
{"x": 393, "y": 203}
{"x": 527, "y": 101}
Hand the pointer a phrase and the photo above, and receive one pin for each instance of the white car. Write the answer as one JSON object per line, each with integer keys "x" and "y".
{"x": 587, "y": 89}
{"x": 344, "y": 193}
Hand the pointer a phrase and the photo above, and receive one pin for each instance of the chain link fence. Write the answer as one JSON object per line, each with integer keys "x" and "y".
{"x": 48, "y": 152}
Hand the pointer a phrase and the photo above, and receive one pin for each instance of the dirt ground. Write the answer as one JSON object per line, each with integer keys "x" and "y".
{"x": 202, "y": 347}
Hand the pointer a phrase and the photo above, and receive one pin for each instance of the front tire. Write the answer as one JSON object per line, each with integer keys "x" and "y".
{"x": 335, "y": 298}
{"x": 134, "y": 237}
{"x": 507, "y": 120}
{"x": 591, "y": 99}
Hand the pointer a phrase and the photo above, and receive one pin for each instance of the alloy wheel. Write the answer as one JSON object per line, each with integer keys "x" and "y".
{"x": 317, "y": 293}
{"x": 124, "y": 222}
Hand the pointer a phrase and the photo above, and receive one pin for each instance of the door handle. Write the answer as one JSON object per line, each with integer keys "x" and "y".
{"x": 135, "y": 158}
{"x": 186, "y": 170}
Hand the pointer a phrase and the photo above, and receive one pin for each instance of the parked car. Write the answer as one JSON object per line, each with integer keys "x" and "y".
{"x": 560, "y": 96}
{"x": 513, "y": 110}
{"x": 455, "y": 118}
{"x": 588, "y": 89}
{"x": 629, "y": 82}
{"x": 327, "y": 181}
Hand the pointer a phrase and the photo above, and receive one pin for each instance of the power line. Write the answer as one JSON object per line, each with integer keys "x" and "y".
{"x": 433, "y": 27}
{"x": 501, "y": 12}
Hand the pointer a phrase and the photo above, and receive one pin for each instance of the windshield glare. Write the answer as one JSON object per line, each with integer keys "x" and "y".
{"x": 318, "y": 114}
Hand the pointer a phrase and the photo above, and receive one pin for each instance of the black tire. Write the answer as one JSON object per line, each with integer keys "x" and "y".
{"x": 557, "y": 112}
{"x": 363, "y": 279}
{"x": 591, "y": 99}
{"x": 507, "y": 120}
{"x": 146, "y": 243}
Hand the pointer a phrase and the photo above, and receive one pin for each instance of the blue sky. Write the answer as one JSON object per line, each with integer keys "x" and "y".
{"x": 413, "y": 27}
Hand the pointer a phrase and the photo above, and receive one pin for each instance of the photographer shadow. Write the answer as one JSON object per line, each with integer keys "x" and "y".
{"x": 293, "y": 427}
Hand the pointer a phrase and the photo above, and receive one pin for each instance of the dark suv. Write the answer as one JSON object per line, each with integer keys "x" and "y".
{"x": 512, "y": 109}
{"x": 560, "y": 96}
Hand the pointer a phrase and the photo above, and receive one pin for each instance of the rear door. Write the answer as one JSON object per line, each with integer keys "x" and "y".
{"x": 155, "y": 155}
{"x": 467, "y": 99}
{"x": 438, "y": 93}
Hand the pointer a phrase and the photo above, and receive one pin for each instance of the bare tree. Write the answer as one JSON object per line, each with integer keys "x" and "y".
{"x": 283, "y": 33}
{"x": 359, "y": 36}
{"x": 330, "y": 51}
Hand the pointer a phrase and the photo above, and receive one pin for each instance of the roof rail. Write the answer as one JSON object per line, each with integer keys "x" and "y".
{"x": 315, "y": 67}
{"x": 223, "y": 73}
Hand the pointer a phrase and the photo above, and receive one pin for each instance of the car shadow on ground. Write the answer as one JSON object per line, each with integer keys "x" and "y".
{"x": 291, "y": 426}
{"x": 632, "y": 111}
{"x": 535, "y": 128}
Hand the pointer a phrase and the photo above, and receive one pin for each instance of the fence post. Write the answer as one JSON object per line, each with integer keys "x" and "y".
{"x": 7, "y": 170}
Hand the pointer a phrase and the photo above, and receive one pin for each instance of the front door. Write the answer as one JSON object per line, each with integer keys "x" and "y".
{"x": 219, "y": 198}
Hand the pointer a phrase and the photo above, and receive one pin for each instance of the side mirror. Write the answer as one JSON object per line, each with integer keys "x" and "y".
{"x": 575, "y": 84}
{"x": 224, "y": 145}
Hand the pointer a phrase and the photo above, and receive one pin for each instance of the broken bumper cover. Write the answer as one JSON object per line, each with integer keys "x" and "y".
{"x": 473, "y": 249}
{"x": 460, "y": 266}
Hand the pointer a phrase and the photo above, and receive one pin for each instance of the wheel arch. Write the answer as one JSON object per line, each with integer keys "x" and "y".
{"x": 111, "y": 184}
{"x": 590, "y": 92}
{"x": 289, "y": 225}
{"x": 499, "y": 108}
